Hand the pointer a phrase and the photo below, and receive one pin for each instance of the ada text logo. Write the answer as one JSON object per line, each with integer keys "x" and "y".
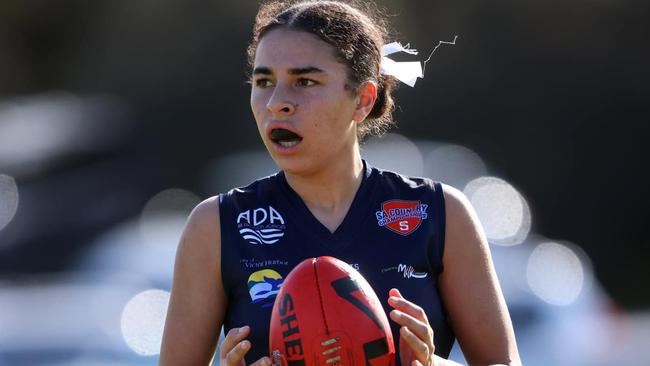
{"x": 400, "y": 216}
{"x": 261, "y": 225}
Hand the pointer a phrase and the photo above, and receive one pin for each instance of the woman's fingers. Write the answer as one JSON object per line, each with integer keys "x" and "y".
{"x": 415, "y": 330}
{"x": 415, "y": 326}
{"x": 235, "y": 356}
{"x": 422, "y": 350}
{"x": 397, "y": 301}
{"x": 234, "y": 347}
{"x": 234, "y": 336}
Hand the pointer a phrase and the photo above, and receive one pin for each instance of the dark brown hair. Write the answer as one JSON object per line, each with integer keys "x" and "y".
{"x": 356, "y": 31}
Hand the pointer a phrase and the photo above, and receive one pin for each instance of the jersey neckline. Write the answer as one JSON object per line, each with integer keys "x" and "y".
{"x": 354, "y": 218}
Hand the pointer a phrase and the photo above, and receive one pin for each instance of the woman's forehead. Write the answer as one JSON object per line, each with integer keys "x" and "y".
{"x": 284, "y": 48}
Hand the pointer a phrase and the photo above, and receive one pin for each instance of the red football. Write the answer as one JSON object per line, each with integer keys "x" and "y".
{"x": 326, "y": 314}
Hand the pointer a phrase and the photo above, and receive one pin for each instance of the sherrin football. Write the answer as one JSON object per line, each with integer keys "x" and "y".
{"x": 326, "y": 314}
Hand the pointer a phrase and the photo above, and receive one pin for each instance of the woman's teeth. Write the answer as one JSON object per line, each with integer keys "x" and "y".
{"x": 285, "y": 138}
{"x": 288, "y": 143}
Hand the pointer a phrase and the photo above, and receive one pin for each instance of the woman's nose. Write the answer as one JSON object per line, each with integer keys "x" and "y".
{"x": 280, "y": 103}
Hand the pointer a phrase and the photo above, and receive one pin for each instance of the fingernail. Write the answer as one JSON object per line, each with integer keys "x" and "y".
{"x": 392, "y": 300}
{"x": 245, "y": 345}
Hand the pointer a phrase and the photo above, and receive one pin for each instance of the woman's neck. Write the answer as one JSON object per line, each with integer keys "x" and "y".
{"x": 329, "y": 193}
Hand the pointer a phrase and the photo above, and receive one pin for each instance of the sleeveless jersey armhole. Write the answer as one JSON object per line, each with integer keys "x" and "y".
{"x": 440, "y": 225}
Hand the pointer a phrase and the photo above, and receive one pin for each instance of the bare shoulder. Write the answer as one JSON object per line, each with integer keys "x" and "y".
{"x": 466, "y": 249}
{"x": 199, "y": 250}
{"x": 455, "y": 200}
{"x": 461, "y": 219}
{"x": 202, "y": 231}
{"x": 206, "y": 212}
{"x": 200, "y": 243}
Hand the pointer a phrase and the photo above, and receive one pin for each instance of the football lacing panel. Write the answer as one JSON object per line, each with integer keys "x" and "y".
{"x": 332, "y": 350}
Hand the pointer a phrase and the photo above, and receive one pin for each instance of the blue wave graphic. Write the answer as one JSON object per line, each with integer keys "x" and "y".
{"x": 261, "y": 236}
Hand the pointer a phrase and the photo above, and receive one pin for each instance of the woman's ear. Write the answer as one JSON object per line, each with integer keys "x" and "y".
{"x": 366, "y": 98}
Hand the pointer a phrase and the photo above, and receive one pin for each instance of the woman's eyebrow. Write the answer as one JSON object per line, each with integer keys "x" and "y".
{"x": 262, "y": 70}
{"x": 304, "y": 70}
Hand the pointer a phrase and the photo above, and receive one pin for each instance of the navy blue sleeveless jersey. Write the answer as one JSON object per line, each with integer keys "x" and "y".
{"x": 393, "y": 234}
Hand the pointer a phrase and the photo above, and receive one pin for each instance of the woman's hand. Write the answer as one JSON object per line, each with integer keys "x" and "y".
{"x": 235, "y": 346}
{"x": 416, "y": 347}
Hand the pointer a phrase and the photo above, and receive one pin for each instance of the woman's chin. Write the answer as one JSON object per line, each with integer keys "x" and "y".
{"x": 289, "y": 164}
{"x": 297, "y": 166}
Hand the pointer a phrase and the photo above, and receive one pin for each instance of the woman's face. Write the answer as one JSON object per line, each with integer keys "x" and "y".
{"x": 304, "y": 111}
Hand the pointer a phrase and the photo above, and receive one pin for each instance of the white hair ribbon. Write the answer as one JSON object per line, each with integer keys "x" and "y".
{"x": 407, "y": 72}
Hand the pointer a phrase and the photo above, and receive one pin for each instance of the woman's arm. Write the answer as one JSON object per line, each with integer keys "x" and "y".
{"x": 472, "y": 297}
{"x": 198, "y": 301}
{"x": 470, "y": 289}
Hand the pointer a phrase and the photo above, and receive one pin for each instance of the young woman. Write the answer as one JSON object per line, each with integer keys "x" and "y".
{"x": 316, "y": 90}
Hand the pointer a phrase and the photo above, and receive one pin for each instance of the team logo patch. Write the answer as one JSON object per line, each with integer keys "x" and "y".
{"x": 263, "y": 286}
{"x": 406, "y": 270}
{"x": 402, "y": 217}
{"x": 261, "y": 225}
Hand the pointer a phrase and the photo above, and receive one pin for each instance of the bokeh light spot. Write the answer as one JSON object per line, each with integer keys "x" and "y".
{"x": 8, "y": 200}
{"x": 143, "y": 321}
{"x": 503, "y": 211}
{"x": 393, "y": 152}
{"x": 164, "y": 216}
{"x": 555, "y": 273}
{"x": 455, "y": 165}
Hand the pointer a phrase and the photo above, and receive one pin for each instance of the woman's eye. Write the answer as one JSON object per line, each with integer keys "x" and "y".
{"x": 263, "y": 83}
{"x": 306, "y": 82}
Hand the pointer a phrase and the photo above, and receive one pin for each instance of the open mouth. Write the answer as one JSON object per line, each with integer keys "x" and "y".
{"x": 285, "y": 138}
